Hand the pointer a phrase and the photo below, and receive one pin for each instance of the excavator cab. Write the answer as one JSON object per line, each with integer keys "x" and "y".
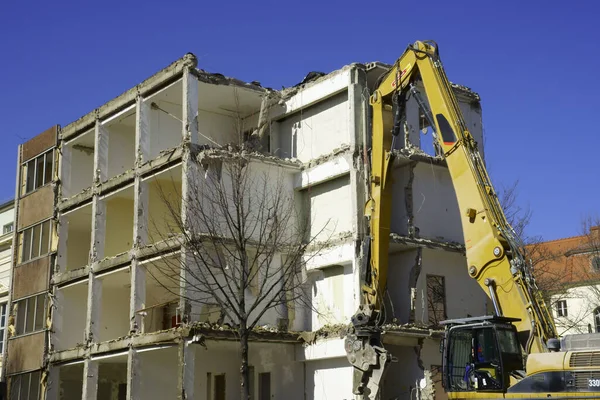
{"x": 480, "y": 354}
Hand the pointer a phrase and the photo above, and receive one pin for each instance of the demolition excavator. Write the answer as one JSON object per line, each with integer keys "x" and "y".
{"x": 513, "y": 353}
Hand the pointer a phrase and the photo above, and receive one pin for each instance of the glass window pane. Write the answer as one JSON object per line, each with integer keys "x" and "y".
{"x": 39, "y": 174}
{"x": 26, "y": 248}
{"x": 1, "y": 340}
{"x": 21, "y": 309}
{"x": 15, "y": 387}
{"x": 34, "y": 386}
{"x": 25, "y": 379}
{"x": 45, "y": 238}
{"x": 35, "y": 245}
{"x": 30, "y": 176}
{"x": 40, "y": 312}
{"x": 30, "y": 314}
{"x": 48, "y": 170}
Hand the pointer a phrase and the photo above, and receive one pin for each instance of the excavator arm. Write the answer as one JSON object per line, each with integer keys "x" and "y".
{"x": 494, "y": 253}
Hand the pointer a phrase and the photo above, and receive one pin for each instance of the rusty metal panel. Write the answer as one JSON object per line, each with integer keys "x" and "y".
{"x": 36, "y": 206}
{"x": 31, "y": 278}
{"x": 40, "y": 143}
{"x": 25, "y": 353}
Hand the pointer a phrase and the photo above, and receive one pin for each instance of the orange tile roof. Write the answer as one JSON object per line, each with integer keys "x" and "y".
{"x": 564, "y": 261}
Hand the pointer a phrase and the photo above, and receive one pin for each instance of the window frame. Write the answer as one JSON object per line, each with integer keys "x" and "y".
{"x": 31, "y": 376}
{"x": 34, "y": 162}
{"x": 562, "y": 309}
{"x": 596, "y": 315}
{"x": 3, "y": 308}
{"x": 439, "y": 279}
{"x": 30, "y": 230}
{"x": 23, "y": 330}
{"x": 12, "y": 228}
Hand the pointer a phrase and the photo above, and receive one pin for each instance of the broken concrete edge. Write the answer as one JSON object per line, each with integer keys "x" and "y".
{"x": 157, "y": 81}
{"x": 344, "y": 149}
{"x": 162, "y": 78}
{"x": 407, "y": 155}
{"x": 234, "y": 153}
{"x": 200, "y": 332}
{"x": 435, "y": 244}
{"x": 289, "y": 92}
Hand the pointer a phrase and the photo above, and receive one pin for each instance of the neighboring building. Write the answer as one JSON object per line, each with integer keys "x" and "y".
{"x": 91, "y": 322}
{"x": 569, "y": 272}
{"x": 7, "y": 219}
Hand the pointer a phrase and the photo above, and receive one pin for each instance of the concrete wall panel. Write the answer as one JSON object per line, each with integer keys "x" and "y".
{"x": 121, "y": 149}
{"x": 463, "y": 294}
{"x": 37, "y": 206}
{"x": 330, "y": 208}
{"x": 316, "y": 130}
{"x": 328, "y": 379}
{"x": 165, "y": 131}
{"x": 435, "y": 208}
{"x": 158, "y": 370}
{"x": 40, "y": 143}
{"x": 276, "y": 358}
{"x": 119, "y": 226}
{"x": 25, "y": 353}
{"x": 82, "y": 176}
{"x": 31, "y": 278}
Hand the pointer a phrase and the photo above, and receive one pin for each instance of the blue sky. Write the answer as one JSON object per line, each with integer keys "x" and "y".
{"x": 535, "y": 64}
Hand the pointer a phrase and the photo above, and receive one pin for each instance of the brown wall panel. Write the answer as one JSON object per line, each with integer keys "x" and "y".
{"x": 25, "y": 353}
{"x": 36, "y": 206}
{"x": 40, "y": 143}
{"x": 31, "y": 278}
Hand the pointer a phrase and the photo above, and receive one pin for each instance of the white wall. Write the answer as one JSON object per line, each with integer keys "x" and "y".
{"x": 581, "y": 303}
{"x": 463, "y": 294}
{"x": 435, "y": 208}
{"x": 119, "y": 226}
{"x": 158, "y": 374}
{"x": 332, "y": 296}
{"x": 328, "y": 379}
{"x": 165, "y": 131}
{"x": 72, "y": 308}
{"x": 6, "y": 217}
{"x": 314, "y": 131}
{"x": 121, "y": 148}
{"x": 114, "y": 311}
{"x": 276, "y": 358}
{"x": 330, "y": 207}
{"x": 218, "y": 127}
{"x": 81, "y": 172}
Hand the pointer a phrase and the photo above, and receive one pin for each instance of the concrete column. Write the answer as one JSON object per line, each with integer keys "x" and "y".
{"x": 137, "y": 296}
{"x": 65, "y": 171}
{"x": 142, "y": 131}
{"x": 133, "y": 376}
{"x": 412, "y": 118}
{"x": 90, "y": 380}
{"x": 52, "y": 384}
{"x": 188, "y": 174}
{"x": 187, "y": 361}
{"x": 140, "y": 213}
{"x": 94, "y": 303}
{"x": 190, "y": 107}
{"x": 57, "y": 301}
{"x": 101, "y": 153}
{"x": 63, "y": 236}
{"x": 98, "y": 229}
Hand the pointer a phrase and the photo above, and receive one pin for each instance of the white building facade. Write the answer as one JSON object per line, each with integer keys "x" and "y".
{"x": 104, "y": 325}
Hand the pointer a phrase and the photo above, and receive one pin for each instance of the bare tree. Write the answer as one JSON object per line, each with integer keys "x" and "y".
{"x": 245, "y": 242}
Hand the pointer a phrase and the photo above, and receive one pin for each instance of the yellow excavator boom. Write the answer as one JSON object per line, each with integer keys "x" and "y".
{"x": 495, "y": 257}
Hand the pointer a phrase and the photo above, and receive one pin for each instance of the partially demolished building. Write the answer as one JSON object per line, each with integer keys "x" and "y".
{"x": 88, "y": 319}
